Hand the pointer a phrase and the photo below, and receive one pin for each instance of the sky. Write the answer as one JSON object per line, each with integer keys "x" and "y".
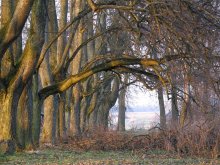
{"x": 145, "y": 101}
{"x": 140, "y": 100}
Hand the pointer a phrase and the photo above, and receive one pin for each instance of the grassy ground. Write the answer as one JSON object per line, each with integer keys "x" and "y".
{"x": 59, "y": 156}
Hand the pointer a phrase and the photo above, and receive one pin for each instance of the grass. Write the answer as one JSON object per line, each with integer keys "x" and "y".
{"x": 59, "y": 156}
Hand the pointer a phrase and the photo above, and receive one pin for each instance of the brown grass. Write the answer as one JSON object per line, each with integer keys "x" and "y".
{"x": 194, "y": 141}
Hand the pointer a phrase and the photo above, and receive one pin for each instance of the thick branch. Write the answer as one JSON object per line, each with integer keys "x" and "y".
{"x": 47, "y": 47}
{"x": 124, "y": 69}
{"x": 113, "y": 64}
{"x": 96, "y": 7}
{"x": 13, "y": 29}
{"x": 84, "y": 44}
{"x": 92, "y": 5}
{"x": 174, "y": 57}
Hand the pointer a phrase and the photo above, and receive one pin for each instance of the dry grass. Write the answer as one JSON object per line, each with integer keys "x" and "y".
{"x": 193, "y": 141}
{"x": 194, "y": 145}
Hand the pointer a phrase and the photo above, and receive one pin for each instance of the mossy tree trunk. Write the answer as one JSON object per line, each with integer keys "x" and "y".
{"x": 23, "y": 73}
{"x": 36, "y": 118}
{"x": 62, "y": 41}
{"x": 50, "y": 108}
{"x": 76, "y": 64}
{"x": 24, "y": 120}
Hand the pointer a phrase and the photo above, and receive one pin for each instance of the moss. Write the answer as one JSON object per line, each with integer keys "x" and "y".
{"x": 3, "y": 32}
{"x": 7, "y": 147}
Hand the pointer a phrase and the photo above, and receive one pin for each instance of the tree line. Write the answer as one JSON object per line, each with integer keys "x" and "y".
{"x": 72, "y": 60}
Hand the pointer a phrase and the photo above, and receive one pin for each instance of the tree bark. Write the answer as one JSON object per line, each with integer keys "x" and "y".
{"x": 62, "y": 23}
{"x": 7, "y": 61}
{"x": 122, "y": 106}
{"x": 75, "y": 112}
{"x": 174, "y": 106}
{"x": 49, "y": 109}
{"x": 76, "y": 64}
{"x": 109, "y": 99}
{"x": 24, "y": 120}
{"x": 13, "y": 28}
{"x": 162, "y": 108}
{"x": 52, "y": 32}
{"x": 62, "y": 124}
{"x": 186, "y": 99}
{"x": 36, "y": 118}
{"x": 9, "y": 100}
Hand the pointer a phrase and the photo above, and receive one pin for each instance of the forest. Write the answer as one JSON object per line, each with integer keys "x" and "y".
{"x": 65, "y": 63}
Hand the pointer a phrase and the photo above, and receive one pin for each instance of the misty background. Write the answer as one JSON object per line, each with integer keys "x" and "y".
{"x": 142, "y": 109}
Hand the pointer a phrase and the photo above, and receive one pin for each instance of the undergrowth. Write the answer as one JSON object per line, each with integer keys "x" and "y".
{"x": 184, "y": 142}
{"x": 198, "y": 144}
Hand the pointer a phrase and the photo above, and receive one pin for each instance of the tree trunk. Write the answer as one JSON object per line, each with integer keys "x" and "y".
{"x": 103, "y": 106}
{"x": 52, "y": 32}
{"x": 7, "y": 144}
{"x": 49, "y": 108}
{"x": 92, "y": 110}
{"x": 7, "y": 61}
{"x": 24, "y": 120}
{"x": 186, "y": 99}
{"x": 75, "y": 111}
{"x": 174, "y": 106}
{"x": 49, "y": 131}
{"x": 62, "y": 124}
{"x": 36, "y": 118}
{"x": 122, "y": 106}
{"x": 14, "y": 27}
{"x": 110, "y": 96}
{"x": 63, "y": 20}
{"x": 162, "y": 108}
{"x": 84, "y": 109}
{"x": 9, "y": 100}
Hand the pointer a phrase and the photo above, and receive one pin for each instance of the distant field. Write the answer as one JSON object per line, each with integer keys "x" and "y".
{"x": 59, "y": 156}
{"x": 136, "y": 120}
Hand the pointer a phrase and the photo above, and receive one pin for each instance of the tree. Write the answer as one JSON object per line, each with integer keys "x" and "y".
{"x": 122, "y": 105}
{"x": 11, "y": 91}
{"x": 162, "y": 108}
{"x": 50, "y": 105}
{"x": 130, "y": 33}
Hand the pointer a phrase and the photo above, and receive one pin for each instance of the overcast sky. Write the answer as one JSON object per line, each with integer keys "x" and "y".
{"x": 140, "y": 100}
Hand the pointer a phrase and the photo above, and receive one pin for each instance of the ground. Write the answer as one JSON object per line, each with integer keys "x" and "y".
{"x": 115, "y": 148}
{"x": 59, "y": 156}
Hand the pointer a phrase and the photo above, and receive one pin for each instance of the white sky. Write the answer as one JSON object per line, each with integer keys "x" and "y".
{"x": 143, "y": 99}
